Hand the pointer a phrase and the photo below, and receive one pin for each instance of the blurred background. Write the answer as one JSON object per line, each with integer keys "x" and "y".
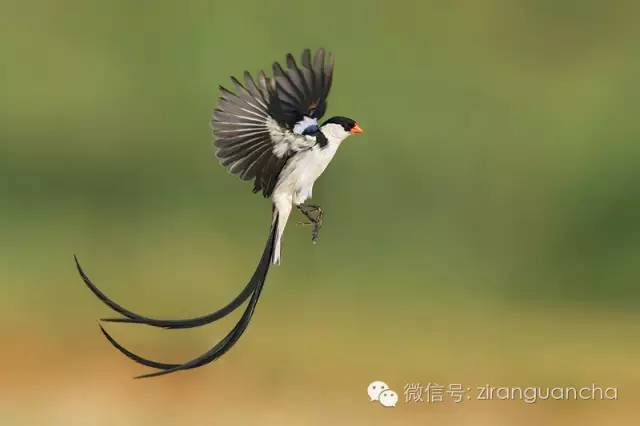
{"x": 483, "y": 230}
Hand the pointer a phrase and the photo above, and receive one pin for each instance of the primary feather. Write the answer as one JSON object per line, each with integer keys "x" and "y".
{"x": 262, "y": 123}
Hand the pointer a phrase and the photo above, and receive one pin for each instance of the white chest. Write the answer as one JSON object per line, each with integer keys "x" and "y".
{"x": 299, "y": 175}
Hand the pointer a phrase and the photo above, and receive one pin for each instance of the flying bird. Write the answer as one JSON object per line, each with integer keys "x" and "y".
{"x": 266, "y": 130}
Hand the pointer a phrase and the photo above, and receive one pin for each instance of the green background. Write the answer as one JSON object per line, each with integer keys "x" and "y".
{"x": 483, "y": 230}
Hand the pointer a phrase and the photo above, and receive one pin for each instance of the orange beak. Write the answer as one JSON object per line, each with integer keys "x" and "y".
{"x": 356, "y": 129}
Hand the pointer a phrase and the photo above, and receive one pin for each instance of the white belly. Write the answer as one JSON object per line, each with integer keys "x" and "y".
{"x": 295, "y": 185}
{"x": 297, "y": 178}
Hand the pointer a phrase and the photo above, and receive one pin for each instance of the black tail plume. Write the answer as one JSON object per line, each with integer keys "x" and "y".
{"x": 258, "y": 280}
{"x": 132, "y": 317}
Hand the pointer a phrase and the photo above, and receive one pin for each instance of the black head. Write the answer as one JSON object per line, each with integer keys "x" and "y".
{"x": 347, "y": 124}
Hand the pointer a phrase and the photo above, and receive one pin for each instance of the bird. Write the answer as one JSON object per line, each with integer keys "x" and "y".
{"x": 267, "y": 130}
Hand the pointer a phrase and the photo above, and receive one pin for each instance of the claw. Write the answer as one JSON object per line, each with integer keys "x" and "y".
{"x": 308, "y": 210}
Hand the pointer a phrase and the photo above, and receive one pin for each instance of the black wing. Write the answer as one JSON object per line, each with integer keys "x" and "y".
{"x": 241, "y": 128}
{"x": 303, "y": 91}
{"x": 253, "y": 127}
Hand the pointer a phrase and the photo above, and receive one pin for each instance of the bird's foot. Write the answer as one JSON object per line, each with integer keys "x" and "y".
{"x": 315, "y": 215}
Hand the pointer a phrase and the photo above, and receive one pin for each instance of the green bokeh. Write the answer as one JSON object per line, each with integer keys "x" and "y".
{"x": 498, "y": 172}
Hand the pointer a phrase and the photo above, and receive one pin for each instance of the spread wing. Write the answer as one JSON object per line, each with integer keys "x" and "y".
{"x": 260, "y": 126}
{"x": 303, "y": 91}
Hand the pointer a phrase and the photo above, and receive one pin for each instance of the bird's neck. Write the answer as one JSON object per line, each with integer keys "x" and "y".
{"x": 334, "y": 133}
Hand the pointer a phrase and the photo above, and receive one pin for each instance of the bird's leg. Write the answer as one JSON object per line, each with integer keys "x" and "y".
{"x": 314, "y": 214}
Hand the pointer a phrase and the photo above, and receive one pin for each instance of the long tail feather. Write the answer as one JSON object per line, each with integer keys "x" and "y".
{"x": 136, "y": 358}
{"x": 228, "y": 341}
{"x": 132, "y": 317}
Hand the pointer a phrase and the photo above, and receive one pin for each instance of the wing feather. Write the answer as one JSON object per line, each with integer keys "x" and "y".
{"x": 253, "y": 123}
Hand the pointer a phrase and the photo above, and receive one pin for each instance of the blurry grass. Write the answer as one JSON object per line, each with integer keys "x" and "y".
{"x": 483, "y": 230}
{"x": 294, "y": 365}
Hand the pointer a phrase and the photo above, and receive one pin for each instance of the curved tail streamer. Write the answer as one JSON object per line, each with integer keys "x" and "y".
{"x": 252, "y": 290}
{"x": 132, "y": 317}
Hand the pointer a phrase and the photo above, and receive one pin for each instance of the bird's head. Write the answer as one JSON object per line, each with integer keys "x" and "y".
{"x": 339, "y": 128}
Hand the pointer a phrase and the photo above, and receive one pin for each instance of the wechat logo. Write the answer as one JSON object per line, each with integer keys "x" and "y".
{"x": 379, "y": 391}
